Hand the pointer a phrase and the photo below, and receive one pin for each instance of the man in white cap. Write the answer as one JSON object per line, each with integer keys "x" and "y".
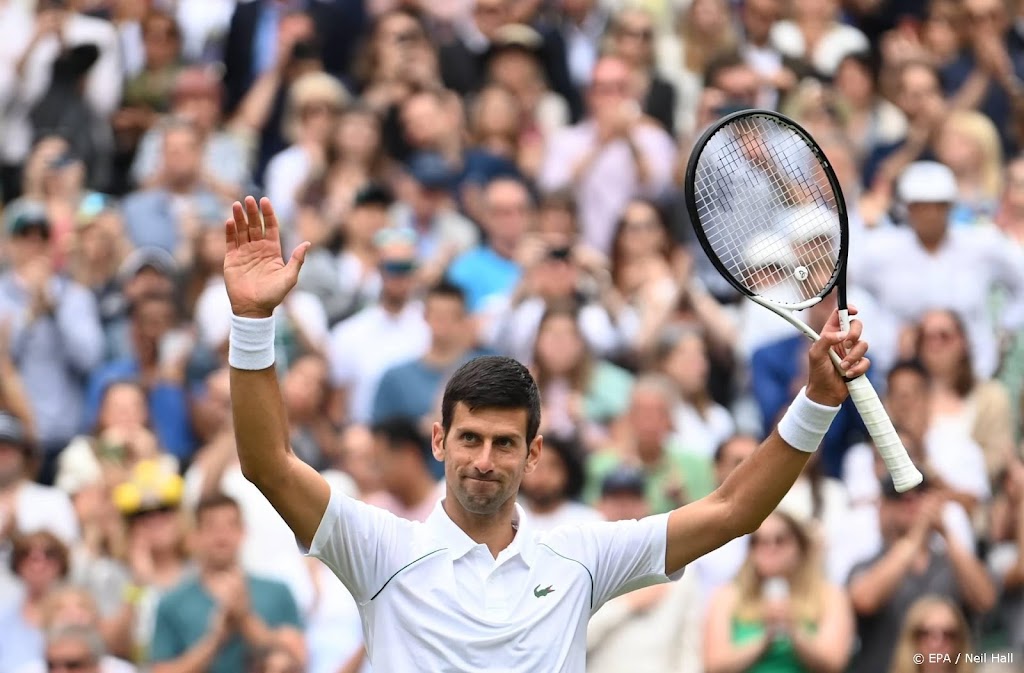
{"x": 927, "y": 265}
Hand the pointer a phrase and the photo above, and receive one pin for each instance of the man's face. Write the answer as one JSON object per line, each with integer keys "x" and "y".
{"x": 153, "y": 319}
{"x": 12, "y": 464}
{"x": 906, "y": 399}
{"x": 509, "y": 211}
{"x": 733, "y": 453}
{"x": 609, "y": 87}
{"x": 489, "y": 16}
{"x": 424, "y": 120}
{"x": 649, "y": 417}
{"x": 219, "y": 535}
{"x": 446, "y": 317}
{"x": 392, "y": 463}
{"x": 29, "y": 243}
{"x": 919, "y": 91}
{"x": 545, "y": 486}
{"x": 485, "y": 456}
{"x": 928, "y": 220}
{"x": 758, "y": 16}
{"x": 182, "y": 156}
{"x": 70, "y": 656}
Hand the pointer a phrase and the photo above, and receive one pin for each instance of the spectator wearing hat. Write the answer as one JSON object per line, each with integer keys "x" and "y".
{"x": 25, "y": 505}
{"x": 144, "y": 272}
{"x": 160, "y": 352}
{"x": 214, "y": 620}
{"x": 883, "y": 588}
{"x": 380, "y": 336}
{"x": 427, "y": 208}
{"x": 37, "y": 40}
{"x": 164, "y": 214}
{"x": 927, "y": 265}
{"x": 343, "y": 273}
{"x": 55, "y": 338}
{"x": 551, "y": 493}
{"x": 614, "y": 155}
{"x": 654, "y": 629}
{"x": 197, "y": 96}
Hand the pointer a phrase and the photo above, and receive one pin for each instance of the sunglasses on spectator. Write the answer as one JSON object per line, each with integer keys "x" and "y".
{"x": 610, "y": 86}
{"x": 640, "y": 225}
{"x": 397, "y": 267}
{"x": 68, "y": 664}
{"x": 49, "y": 553}
{"x": 947, "y": 634}
{"x": 319, "y": 108}
{"x": 761, "y": 540}
{"x": 941, "y": 335}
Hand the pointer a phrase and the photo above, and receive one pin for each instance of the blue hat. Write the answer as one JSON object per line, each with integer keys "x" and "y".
{"x": 26, "y": 215}
{"x": 431, "y": 171}
{"x": 625, "y": 479}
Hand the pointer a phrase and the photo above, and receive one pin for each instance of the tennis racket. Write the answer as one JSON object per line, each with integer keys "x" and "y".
{"x": 768, "y": 210}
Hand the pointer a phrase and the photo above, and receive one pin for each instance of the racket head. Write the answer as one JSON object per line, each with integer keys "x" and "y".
{"x": 768, "y": 210}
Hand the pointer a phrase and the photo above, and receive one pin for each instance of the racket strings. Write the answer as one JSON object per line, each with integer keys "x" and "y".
{"x": 767, "y": 210}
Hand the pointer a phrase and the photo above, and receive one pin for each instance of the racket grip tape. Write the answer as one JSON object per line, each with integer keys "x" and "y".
{"x": 905, "y": 475}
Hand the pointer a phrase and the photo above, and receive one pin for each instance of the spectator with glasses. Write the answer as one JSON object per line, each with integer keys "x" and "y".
{"x": 935, "y": 627}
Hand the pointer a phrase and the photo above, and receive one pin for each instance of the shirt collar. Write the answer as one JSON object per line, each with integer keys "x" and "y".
{"x": 459, "y": 544}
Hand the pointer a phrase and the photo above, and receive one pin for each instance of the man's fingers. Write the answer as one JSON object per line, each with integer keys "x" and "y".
{"x": 857, "y": 353}
{"x": 271, "y": 232}
{"x": 241, "y": 226}
{"x": 252, "y": 210}
{"x": 861, "y": 367}
{"x": 298, "y": 257}
{"x": 231, "y": 233}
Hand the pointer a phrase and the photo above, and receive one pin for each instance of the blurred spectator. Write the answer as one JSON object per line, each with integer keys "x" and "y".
{"x": 871, "y": 119}
{"x": 195, "y": 96}
{"x": 654, "y": 629}
{"x": 963, "y": 409}
{"x": 37, "y": 42}
{"x": 936, "y": 266}
{"x": 413, "y": 389}
{"x": 356, "y": 158}
{"x": 55, "y": 338}
{"x": 362, "y": 348}
{"x": 74, "y": 638}
{"x": 403, "y": 455}
{"x": 581, "y": 26}
{"x": 936, "y": 626}
{"x": 1006, "y": 558}
{"x": 213, "y": 620}
{"x": 815, "y": 35}
{"x": 275, "y": 659}
{"x": 40, "y": 562}
{"x": 489, "y": 273}
{"x": 160, "y": 352}
{"x": 632, "y": 40}
{"x": 315, "y": 102}
{"x": 780, "y": 612}
{"x": 165, "y": 214}
{"x": 343, "y": 273}
{"x": 582, "y": 393}
{"x": 883, "y": 588}
{"x": 550, "y": 494}
{"x": 255, "y": 38}
{"x": 616, "y": 154}
{"x": 968, "y": 143}
{"x": 644, "y": 438}
{"x": 307, "y": 395}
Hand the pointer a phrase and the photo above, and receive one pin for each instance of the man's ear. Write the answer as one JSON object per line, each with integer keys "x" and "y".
{"x": 533, "y": 453}
{"x": 437, "y": 441}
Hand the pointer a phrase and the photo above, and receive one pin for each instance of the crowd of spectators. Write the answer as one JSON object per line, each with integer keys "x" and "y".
{"x": 500, "y": 176}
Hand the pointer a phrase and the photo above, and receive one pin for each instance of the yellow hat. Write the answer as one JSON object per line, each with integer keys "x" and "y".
{"x": 152, "y": 485}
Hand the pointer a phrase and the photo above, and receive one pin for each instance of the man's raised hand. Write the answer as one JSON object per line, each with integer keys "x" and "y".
{"x": 824, "y": 384}
{"x": 256, "y": 277}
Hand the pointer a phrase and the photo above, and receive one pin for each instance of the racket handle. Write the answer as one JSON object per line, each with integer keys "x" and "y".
{"x": 905, "y": 475}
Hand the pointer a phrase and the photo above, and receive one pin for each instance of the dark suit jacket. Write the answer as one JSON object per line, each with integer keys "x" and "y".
{"x": 339, "y": 23}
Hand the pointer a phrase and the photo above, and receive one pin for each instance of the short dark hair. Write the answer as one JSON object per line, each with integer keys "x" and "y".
{"x": 215, "y": 501}
{"x": 447, "y": 289}
{"x": 729, "y": 441}
{"x": 496, "y": 382}
{"x": 571, "y": 453}
{"x": 912, "y": 366}
{"x": 720, "y": 62}
{"x": 400, "y": 432}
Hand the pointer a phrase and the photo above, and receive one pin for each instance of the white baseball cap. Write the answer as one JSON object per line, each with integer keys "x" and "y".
{"x": 927, "y": 182}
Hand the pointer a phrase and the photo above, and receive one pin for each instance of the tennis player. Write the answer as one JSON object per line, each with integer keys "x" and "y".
{"x": 473, "y": 588}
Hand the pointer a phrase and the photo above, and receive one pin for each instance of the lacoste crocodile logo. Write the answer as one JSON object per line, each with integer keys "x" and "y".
{"x": 541, "y": 593}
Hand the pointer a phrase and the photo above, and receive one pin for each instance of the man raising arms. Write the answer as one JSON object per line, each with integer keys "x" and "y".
{"x": 473, "y": 587}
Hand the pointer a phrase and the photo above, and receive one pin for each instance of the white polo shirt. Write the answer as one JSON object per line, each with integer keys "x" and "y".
{"x": 432, "y": 599}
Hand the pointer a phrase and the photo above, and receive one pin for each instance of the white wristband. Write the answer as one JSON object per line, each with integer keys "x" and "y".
{"x": 805, "y": 423}
{"x": 251, "y": 344}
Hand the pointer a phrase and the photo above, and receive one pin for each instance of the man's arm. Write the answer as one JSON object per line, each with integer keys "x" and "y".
{"x": 755, "y": 488}
{"x": 257, "y": 281}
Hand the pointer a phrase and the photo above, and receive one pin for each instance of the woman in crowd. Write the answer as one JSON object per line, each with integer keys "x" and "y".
{"x": 581, "y": 393}
{"x": 780, "y": 614}
{"x": 631, "y": 38}
{"x": 935, "y": 628}
{"x": 39, "y": 561}
{"x": 961, "y": 405}
{"x": 969, "y": 144}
